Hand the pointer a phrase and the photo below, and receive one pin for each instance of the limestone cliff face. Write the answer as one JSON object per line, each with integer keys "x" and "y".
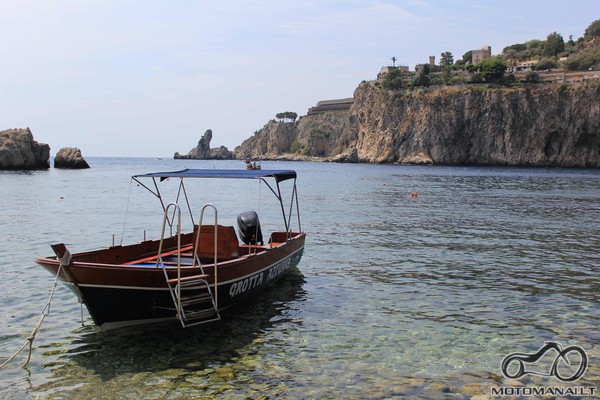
{"x": 326, "y": 135}
{"x": 539, "y": 125}
{"x": 310, "y": 136}
{"x": 544, "y": 125}
{"x": 273, "y": 139}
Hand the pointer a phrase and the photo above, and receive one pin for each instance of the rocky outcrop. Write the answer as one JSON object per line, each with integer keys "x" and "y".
{"x": 273, "y": 139}
{"x": 70, "y": 158}
{"x": 221, "y": 153}
{"x": 549, "y": 125}
{"x": 319, "y": 135}
{"x": 349, "y": 156}
{"x": 544, "y": 126}
{"x": 18, "y": 150}
{"x": 204, "y": 152}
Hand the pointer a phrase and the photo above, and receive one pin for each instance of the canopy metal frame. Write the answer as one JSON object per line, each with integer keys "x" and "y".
{"x": 262, "y": 175}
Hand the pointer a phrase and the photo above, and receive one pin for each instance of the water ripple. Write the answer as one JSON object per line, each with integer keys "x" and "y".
{"x": 397, "y": 295}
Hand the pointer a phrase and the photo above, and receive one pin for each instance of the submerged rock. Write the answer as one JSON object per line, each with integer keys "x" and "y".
{"x": 70, "y": 158}
{"x": 18, "y": 150}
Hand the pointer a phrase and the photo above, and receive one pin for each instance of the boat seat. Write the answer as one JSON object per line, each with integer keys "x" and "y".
{"x": 227, "y": 242}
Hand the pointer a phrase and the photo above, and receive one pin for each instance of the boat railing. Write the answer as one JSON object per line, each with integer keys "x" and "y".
{"x": 159, "y": 260}
{"x": 215, "y": 252}
{"x": 189, "y": 281}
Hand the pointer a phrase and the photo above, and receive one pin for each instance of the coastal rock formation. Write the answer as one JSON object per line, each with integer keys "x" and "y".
{"x": 349, "y": 156}
{"x": 18, "y": 150}
{"x": 549, "y": 125}
{"x": 203, "y": 151}
{"x": 221, "y": 153}
{"x": 319, "y": 135}
{"x": 273, "y": 139}
{"x": 70, "y": 158}
{"x": 544, "y": 125}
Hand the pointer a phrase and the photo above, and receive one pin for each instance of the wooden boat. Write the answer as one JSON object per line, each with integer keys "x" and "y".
{"x": 189, "y": 276}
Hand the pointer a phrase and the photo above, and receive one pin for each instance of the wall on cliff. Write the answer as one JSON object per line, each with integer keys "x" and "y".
{"x": 537, "y": 125}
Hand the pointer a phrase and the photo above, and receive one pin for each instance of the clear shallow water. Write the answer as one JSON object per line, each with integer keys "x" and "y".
{"x": 396, "y": 296}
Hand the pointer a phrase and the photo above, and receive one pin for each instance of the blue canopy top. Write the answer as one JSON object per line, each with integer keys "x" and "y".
{"x": 279, "y": 175}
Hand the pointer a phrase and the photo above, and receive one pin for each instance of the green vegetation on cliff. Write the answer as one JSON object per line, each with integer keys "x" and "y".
{"x": 584, "y": 53}
{"x": 286, "y": 116}
{"x": 492, "y": 70}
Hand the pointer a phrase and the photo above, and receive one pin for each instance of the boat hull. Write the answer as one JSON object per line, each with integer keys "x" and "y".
{"x": 118, "y": 295}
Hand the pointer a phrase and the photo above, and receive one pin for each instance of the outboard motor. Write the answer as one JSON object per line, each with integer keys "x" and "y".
{"x": 249, "y": 228}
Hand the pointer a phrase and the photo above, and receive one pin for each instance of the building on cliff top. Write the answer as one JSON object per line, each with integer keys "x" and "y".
{"x": 331, "y": 105}
{"x": 419, "y": 67}
{"x": 480, "y": 55}
{"x": 523, "y": 66}
{"x": 384, "y": 71}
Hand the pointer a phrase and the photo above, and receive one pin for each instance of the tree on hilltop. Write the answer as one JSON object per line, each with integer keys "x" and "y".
{"x": 593, "y": 30}
{"x": 554, "y": 44}
{"x": 544, "y": 65}
{"x": 492, "y": 69}
{"x": 472, "y": 68}
{"x": 583, "y": 53}
{"x": 446, "y": 58}
{"x": 468, "y": 57}
{"x": 532, "y": 77}
{"x": 393, "y": 79}
{"x": 286, "y": 116}
{"x": 423, "y": 78}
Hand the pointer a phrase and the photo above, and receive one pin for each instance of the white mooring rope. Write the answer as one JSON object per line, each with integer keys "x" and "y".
{"x": 45, "y": 312}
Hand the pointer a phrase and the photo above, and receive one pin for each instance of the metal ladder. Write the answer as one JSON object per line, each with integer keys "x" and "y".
{"x": 201, "y": 306}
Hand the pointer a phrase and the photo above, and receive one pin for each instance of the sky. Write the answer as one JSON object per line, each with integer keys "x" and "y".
{"x": 147, "y": 78}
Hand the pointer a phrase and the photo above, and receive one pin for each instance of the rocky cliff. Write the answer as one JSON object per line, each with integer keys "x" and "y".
{"x": 544, "y": 125}
{"x": 316, "y": 136}
{"x": 18, "y": 150}
{"x": 537, "y": 125}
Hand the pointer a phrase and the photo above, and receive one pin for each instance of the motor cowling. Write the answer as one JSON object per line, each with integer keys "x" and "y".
{"x": 249, "y": 228}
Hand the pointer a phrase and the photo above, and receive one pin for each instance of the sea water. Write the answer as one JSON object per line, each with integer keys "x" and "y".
{"x": 416, "y": 282}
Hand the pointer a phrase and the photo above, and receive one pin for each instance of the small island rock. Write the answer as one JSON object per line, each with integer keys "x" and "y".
{"x": 204, "y": 152}
{"x": 70, "y": 158}
{"x": 18, "y": 150}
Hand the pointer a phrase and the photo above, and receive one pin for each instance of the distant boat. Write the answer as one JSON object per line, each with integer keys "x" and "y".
{"x": 252, "y": 165}
{"x": 159, "y": 158}
{"x": 190, "y": 276}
